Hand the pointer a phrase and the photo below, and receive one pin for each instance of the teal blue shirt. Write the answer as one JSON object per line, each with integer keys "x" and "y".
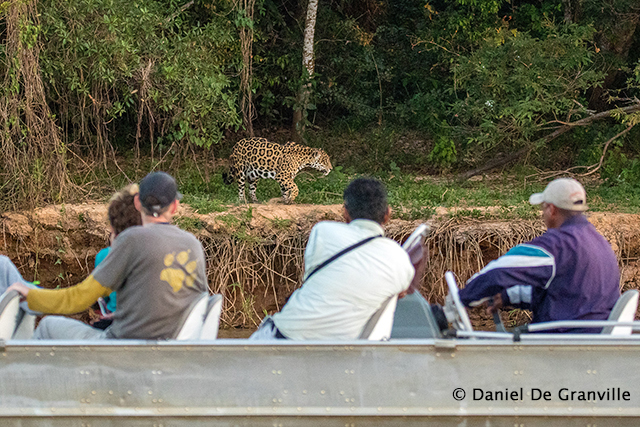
{"x": 111, "y": 304}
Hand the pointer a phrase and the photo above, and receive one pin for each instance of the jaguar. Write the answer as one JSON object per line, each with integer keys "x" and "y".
{"x": 255, "y": 158}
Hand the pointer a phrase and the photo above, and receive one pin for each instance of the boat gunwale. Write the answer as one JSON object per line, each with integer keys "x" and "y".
{"x": 554, "y": 340}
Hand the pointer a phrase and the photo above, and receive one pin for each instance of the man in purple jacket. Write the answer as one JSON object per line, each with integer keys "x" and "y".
{"x": 568, "y": 273}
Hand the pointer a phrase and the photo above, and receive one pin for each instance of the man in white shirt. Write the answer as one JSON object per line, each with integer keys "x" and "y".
{"x": 336, "y": 300}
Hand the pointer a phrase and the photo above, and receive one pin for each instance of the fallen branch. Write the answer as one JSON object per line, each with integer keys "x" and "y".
{"x": 493, "y": 164}
{"x": 604, "y": 150}
{"x": 543, "y": 141}
{"x": 604, "y": 114}
{"x": 543, "y": 176}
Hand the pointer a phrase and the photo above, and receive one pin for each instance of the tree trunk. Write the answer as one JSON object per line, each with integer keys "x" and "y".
{"x": 246, "y": 74}
{"x": 308, "y": 65}
{"x": 568, "y": 15}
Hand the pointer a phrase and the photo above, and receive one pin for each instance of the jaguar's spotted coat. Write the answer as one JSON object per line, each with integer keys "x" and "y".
{"x": 255, "y": 158}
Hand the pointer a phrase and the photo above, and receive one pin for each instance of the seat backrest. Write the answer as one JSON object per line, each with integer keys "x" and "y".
{"x": 9, "y": 311}
{"x": 416, "y": 238}
{"x": 193, "y": 319}
{"x": 212, "y": 319}
{"x": 380, "y": 324}
{"x": 413, "y": 318}
{"x": 26, "y": 326}
{"x": 623, "y": 311}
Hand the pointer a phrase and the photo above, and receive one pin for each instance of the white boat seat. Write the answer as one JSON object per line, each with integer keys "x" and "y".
{"x": 9, "y": 312}
{"x": 379, "y": 325}
{"x": 26, "y": 326}
{"x": 194, "y": 319}
{"x": 212, "y": 319}
{"x": 623, "y": 311}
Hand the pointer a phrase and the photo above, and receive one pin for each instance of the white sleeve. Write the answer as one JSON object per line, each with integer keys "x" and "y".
{"x": 310, "y": 250}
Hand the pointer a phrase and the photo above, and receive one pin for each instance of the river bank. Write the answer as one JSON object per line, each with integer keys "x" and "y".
{"x": 255, "y": 252}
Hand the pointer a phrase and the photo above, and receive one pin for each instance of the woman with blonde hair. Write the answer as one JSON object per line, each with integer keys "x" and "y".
{"x": 122, "y": 215}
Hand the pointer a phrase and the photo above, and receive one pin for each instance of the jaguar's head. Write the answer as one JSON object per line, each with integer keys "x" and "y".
{"x": 322, "y": 162}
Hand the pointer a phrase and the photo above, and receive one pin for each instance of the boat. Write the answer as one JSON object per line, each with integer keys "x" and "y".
{"x": 425, "y": 376}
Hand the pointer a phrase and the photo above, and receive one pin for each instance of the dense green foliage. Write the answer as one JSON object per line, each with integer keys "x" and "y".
{"x": 478, "y": 77}
{"x": 426, "y": 85}
{"x": 514, "y": 84}
{"x": 121, "y": 61}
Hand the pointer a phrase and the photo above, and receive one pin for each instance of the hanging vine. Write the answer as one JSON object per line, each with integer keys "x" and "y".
{"x": 33, "y": 169}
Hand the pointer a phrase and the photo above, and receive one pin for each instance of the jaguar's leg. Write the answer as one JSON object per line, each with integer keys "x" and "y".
{"x": 294, "y": 192}
{"x": 252, "y": 188}
{"x": 241, "y": 187}
{"x": 288, "y": 188}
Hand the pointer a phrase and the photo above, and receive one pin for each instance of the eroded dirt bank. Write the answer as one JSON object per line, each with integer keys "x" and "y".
{"x": 254, "y": 252}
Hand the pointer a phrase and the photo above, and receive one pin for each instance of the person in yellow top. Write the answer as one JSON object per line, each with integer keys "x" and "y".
{"x": 157, "y": 269}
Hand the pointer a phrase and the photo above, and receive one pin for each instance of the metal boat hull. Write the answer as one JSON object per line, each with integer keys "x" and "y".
{"x": 237, "y": 382}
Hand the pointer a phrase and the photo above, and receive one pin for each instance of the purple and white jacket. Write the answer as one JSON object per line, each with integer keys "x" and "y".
{"x": 568, "y": 273}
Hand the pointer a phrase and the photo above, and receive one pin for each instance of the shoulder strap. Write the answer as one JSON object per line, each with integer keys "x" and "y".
{"x": 339, "y": 254}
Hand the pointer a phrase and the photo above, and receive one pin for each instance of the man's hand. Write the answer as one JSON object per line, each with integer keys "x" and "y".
{"x": 496, "y": 305}
{"x": 21, "y": 288}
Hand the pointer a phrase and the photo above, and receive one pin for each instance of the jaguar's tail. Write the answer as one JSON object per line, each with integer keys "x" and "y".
{"x": 228, "y": 177}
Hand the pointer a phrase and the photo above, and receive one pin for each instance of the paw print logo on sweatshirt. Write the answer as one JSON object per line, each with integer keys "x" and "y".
{"x": 180, "y": 271}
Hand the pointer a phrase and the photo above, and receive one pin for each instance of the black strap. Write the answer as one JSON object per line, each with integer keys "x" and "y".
{"x": 279, "y": 334}
{"x": 274, "y": 328}
{"x": 339, "y": 254}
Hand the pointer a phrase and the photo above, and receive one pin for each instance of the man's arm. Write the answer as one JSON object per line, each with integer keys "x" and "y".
{"x": 514, "y": 276}
{"x": 63, "y": 301}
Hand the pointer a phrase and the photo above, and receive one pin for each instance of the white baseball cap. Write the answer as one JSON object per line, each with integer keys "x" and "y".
{"x": 564, "y": 193}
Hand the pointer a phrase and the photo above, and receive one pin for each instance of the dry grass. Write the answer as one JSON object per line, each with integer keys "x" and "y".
{"x": 465, "y": 246}
{"x": 256, "y": 274}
